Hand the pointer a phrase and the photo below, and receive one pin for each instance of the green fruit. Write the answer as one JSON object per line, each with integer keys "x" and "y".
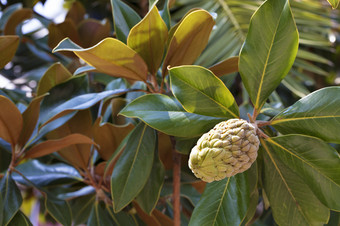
{"x": 227, "y": 149}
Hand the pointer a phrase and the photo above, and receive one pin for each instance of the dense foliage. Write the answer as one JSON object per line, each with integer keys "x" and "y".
{"x": 102, "y": 110}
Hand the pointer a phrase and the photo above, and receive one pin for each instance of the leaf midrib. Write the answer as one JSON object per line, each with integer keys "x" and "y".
{"x": 277, "y": 121}
{"x": 302, "y": 160}
{"x": 266, "y": 63}
{"x": 220, "y": 204}
{"x": 284, "y": 181}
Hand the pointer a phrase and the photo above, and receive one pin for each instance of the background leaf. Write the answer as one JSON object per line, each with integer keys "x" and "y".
{"x": 223, "y": 202}
{"x": 334, "y": 3}
{"x": 11, "y": 121}
{"x": 15, "y": 19}
{"x": 226, "y": 66}
{"x": 148, "y": 39}
{"x": 201, "y": 92}
{"x": 316, "y": 162}
{"x": 124, "y": 18}
{"x": 269, "y": 50}
{"x": 163, "y": 114}
{"x": 133, "y": 168}
{"x": 291, "y": 200}
{"x": 189, "y": 39}
{"x": 58, "y": 209}
{"x": 20, "y": 219}
{"x": 317, "y": 114}
{"x": 127, "y": 64}
{"x": 8, "y": 47}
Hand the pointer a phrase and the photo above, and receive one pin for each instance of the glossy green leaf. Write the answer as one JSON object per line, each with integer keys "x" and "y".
{"x": 54, "y": 75}
{"x": 223, "y": 202}
{"x": 189, "y": 39}
{"x": 149, "y": 195}
{"x": 334, "y": 3}
{"x": 163, "y": 113}
{"x": 317, "y": 114}
{"x": 292, "y": 200}
{"x": 269, "y": 50}
{"x": 61, "y": 93}
{"x": 30, "y": 118}
{"x": 54, "y": 174}
{"x": 10, "y": 197}
{"x": 125, "y": 63}
{"x": 20, "y": 219}
{"x": 133, "y": 168}
{"x": 50, "y": 146}
{"x": 8, "y": 47}
{"x": 80, "y": 102}
{"x": 11, "y": 121}
{"x": 124, "y": 19}
{"x": 316, "y": 162}
{"x": 81, "y": 208}
{"x": 148, "y": 39}
{"x": 100, "y": 215}
{"x": 201, "y": 92}
{"x": 59, "y": 209}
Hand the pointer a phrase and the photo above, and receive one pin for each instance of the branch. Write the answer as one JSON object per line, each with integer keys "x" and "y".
{"x": 176, "y": 157}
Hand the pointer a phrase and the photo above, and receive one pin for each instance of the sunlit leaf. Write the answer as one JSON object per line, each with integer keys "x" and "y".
{"x": 133, "y": 168}
{"x": 15, "y": 19}
{"x": 54, "y": 75}
{"x": 317, "y": 114}
{"x": 269, "y": 50}
{"x": 125, "y": 63}
{"x": 189, "y": 39}
{"x": 8, "y": 47}
{"x": 334, "y": 3}
{"x": 201, "y": 92}
{"x": 148, "y": 39}
{"x": 225, "y": 67}
{"x": 223, "y": 202}
{"x": 164, "y": 114}
{"x": 50, "y": 146}
{"x": 11, "y": 121}
{"x": 124, "y": 19}
{"x": 316, "y": 162}
{"x": 291, "y": 200}
{"x": 10, "y": 197}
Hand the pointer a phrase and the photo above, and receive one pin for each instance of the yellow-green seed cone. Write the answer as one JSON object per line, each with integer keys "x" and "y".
{"x": 227, "y": 149}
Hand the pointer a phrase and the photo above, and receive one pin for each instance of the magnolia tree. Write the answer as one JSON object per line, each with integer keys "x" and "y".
{"x": 109, "y": 139}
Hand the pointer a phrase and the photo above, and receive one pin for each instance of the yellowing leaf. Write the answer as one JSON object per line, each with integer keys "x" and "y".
{"x": 148, "y": 39}
{"x": 10, "y": 121}
{"x": 50, "y": 146}
{"x": 8, "y": 47}
{"x": 224, "y": 67}
{"x": 54, "y": 75}
{"x": 15, "y": 19}
{"x": 110, "y": 56}
{"x": 189, "y": 39}
{"x": 109, "y": 136}
{"x": 334, "y": 3}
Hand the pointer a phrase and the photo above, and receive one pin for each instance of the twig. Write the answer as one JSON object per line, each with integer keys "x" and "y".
{"x": 176, "y": 183}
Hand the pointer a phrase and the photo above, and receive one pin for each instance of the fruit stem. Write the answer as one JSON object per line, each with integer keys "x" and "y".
{"x": 176, "y": 157}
